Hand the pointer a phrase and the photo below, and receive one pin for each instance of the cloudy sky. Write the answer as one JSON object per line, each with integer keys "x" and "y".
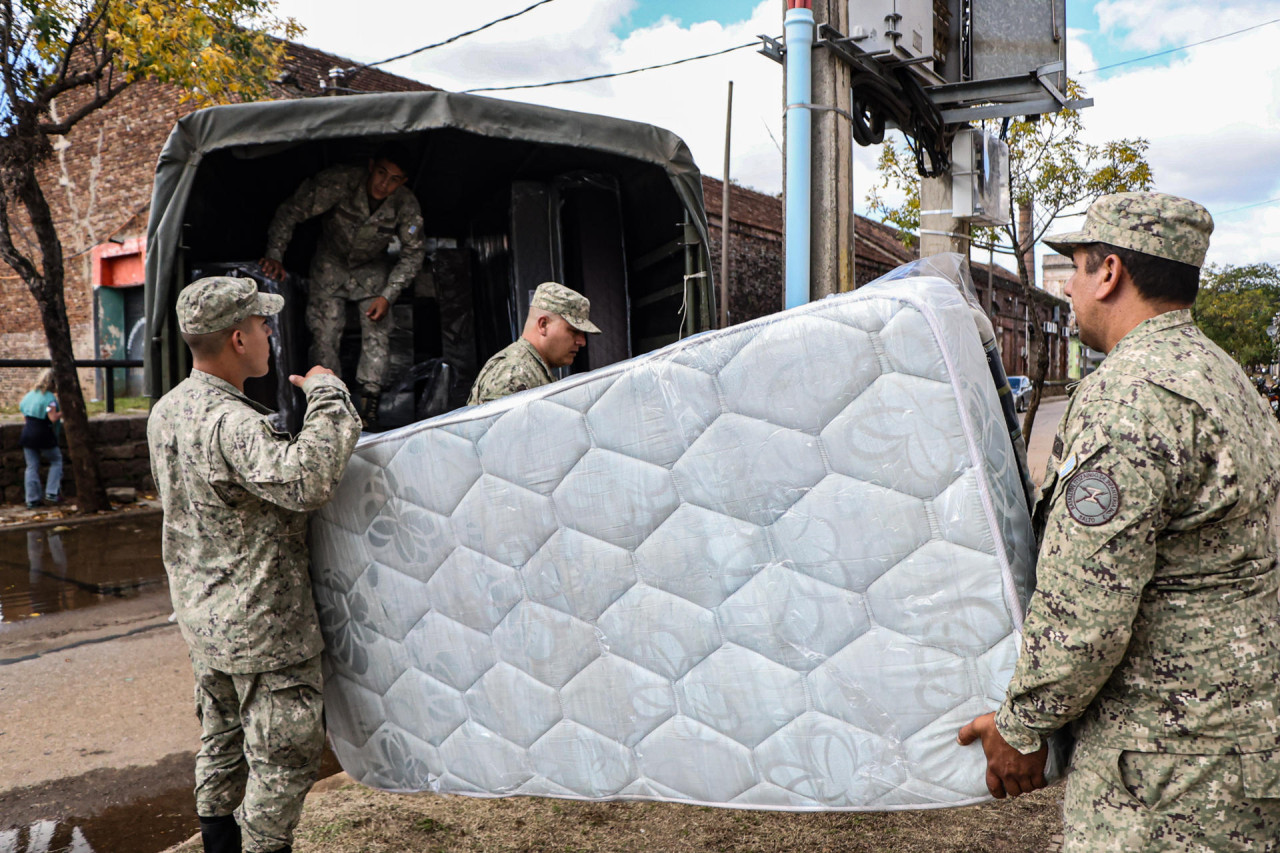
{"x": 1211, "y": 111}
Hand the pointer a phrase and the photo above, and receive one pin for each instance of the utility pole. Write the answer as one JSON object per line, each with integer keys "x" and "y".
{"x": 939, "y": 230}
{"x": 832, "y": 253}
{"x": 724, "y": 216}
{"x": 828, "y": 218}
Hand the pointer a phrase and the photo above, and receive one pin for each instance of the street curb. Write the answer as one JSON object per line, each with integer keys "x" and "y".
{"x": 148, "y": 509}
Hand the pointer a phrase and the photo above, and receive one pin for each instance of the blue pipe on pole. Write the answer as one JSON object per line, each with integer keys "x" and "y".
{"x": 798, "y": 27}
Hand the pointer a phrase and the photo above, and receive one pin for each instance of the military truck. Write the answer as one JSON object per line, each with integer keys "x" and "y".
{"x": 512, "y": 195}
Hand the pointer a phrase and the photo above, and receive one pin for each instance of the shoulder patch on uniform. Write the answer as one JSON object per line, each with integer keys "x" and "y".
{"x": 1057, "y": 447}
{"x": 1092, "y": 498}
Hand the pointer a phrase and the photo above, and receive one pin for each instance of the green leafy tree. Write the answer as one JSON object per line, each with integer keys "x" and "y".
{"x": 62, "y": 60}
{"x": 1053, "y": 174}
{"x": 1235, "y": 306}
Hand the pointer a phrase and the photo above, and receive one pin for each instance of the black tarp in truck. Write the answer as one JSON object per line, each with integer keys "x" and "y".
{"x": 512, "y": 195}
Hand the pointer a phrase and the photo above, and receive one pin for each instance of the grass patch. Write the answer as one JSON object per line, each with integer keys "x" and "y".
{"x": 377, "y": 822}
{"x": 329, "y": 830}
{"x": 93, "y": 407}
{"x": 123, "y": 404}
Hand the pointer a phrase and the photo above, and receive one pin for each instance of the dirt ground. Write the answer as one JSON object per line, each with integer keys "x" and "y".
{"x": 351, "y": 818}
{"x": 95, "y": 710}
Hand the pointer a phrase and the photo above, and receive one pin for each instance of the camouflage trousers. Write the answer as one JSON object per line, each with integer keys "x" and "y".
{"x": 327, "y": 318}
{"x": 262, "y": 735}
{"x": 1118, "y": 801}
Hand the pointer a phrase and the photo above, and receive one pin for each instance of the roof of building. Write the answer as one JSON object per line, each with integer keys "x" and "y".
{"x": 746, "y": 206}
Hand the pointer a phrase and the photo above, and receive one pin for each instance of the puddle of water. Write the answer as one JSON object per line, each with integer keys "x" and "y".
{"x": 150, "y": 824}
{"x": 146, "y": 826}
{"x": 64, "y": 568}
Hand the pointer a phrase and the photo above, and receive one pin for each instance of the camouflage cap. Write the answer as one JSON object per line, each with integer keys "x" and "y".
{"x": 569, "y": 304}
{"x": 1151, "y": 223}
{"x": 219, "y": 302}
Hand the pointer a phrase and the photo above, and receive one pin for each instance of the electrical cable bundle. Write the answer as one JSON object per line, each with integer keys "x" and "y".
{"x": 903, "y": 101}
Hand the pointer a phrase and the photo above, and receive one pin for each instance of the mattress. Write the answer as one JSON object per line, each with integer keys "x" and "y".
{"x": 775, "y": 566}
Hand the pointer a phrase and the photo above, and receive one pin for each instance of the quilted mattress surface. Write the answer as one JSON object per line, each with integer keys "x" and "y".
{"x": 773, "y": 566}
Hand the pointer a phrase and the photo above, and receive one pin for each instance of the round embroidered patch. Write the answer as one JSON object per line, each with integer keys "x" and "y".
{"x": 1092, "y": 498}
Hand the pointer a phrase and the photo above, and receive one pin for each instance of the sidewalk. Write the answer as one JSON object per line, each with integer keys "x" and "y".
{"x": 18, "y": 517}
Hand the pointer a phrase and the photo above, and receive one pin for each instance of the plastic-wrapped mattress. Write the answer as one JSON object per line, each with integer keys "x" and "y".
{"x": 774, "y": 566}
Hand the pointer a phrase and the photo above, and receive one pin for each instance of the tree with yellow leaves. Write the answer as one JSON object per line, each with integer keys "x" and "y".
{"x": 81, "y": 54}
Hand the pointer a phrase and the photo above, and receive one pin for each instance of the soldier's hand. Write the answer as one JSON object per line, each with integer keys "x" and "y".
{"x": 1009, "y": 772}
{"x": 378, "y": 308}
{"x": 274, "y": 269}
{"x": 315, "y": 371}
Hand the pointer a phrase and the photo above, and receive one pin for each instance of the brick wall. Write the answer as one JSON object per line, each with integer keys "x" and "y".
{"x": 756, "y": 265}
{"x": 98, "y": 184}
{"x": 756, "y": 272}
{"x": 123, "y": 459}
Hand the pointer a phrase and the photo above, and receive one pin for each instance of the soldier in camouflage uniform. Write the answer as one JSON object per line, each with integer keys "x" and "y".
{"x": 1155, "y": 627}
{"x": 236, "y": 495}
{"x": 556, "y": 328}
{"x": 366, "y": 209}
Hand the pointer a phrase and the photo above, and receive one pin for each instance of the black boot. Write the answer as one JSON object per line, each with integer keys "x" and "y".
{"x": 220, "y": 834}
{"x": 369, "y": 408}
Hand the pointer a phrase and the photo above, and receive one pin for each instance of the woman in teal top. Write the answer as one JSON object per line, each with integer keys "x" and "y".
{"x": 39, "y": 440}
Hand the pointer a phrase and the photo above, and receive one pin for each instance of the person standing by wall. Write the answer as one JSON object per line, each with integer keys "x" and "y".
{"x": 39, "y": 440}
{"x": 236, "y": 494}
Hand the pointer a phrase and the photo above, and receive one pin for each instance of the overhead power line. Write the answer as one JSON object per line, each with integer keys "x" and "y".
{"x": 1248, "y": 206}
{"x": 452, "y": 39}
{"x": 611, "y": 74}
{"x": 1180, "y": 47}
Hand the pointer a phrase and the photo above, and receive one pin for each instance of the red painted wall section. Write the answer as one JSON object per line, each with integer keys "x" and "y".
{"x": 119, "y": 264}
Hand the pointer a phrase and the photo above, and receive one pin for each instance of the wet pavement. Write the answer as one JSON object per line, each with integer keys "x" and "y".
{"x": 95, "y": 687}
{"x": 50, "y": 565}
{"x": 134, "y": 810}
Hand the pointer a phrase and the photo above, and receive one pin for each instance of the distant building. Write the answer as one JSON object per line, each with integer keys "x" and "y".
{"x": 1055, "y": 271}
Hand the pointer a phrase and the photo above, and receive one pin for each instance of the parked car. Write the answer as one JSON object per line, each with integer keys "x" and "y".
{"x": 1021, "y": 387}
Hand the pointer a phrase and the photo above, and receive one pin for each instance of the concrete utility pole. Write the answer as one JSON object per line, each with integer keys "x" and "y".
{"x": 939, "y": 230}
{"x": 831, "y": 253}
{"x": 831, "y": 250}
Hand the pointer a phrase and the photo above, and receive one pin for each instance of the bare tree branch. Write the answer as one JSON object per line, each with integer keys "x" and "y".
{"x": 63, "y": 127}
{"x": 66, "y": 84}
{"x": 10, "y": 253}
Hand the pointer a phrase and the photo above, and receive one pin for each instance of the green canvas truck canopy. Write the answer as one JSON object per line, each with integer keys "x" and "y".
{"x": 512, "y": 194}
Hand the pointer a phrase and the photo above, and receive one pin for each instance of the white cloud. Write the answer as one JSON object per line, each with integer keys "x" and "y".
{"x": 575, "y": 38}
{"x": 1211, "y": 113}
{"x": 1149, "y": 25}
{"x": 1213, "y": 120}
{"x": 1079, "y": 54}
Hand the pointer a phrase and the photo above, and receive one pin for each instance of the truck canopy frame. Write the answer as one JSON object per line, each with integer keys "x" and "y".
{"x": 259, "y": 130}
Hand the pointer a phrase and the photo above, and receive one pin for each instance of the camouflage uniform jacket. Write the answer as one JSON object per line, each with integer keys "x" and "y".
{"x": 516, "y": 368}
{"x": 352, "y": 260}
{"x": 235, "y": 496}
{"x": 1155, "y": 619}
